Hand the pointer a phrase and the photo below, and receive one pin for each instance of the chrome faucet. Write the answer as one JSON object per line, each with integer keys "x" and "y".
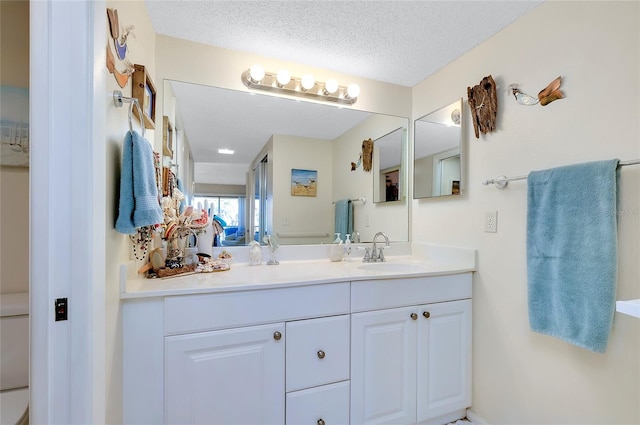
{"x": 376, "y": 254}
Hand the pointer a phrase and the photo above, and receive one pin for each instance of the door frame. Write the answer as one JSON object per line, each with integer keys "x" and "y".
{"x": 67, "y": 216}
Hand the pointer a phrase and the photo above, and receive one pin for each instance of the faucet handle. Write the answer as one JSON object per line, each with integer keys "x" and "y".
{"x": 367, "y": 254}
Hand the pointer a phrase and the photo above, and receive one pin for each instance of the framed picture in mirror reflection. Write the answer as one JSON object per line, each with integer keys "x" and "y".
{"x": 304, "y": 182}
{"x": 167, "y": 137}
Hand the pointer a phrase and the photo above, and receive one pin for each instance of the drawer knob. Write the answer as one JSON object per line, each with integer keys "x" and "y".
{"x": 320, "y": 421}
{"x": 321, "y": 356}
{"x": 426, "y": 314}
{"x": 414, "y": 316}
{"x": 277, "y": 335}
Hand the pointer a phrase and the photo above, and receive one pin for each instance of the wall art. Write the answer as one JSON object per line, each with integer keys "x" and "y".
{"x": 483, "y": 102}
{"x": 14, "y": 126}
{"x": 304, "y": 182}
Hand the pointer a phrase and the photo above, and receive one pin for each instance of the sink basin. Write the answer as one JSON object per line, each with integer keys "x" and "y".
{"x": 394, "y": 267}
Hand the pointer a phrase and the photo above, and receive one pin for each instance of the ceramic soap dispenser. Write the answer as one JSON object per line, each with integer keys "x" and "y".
{"x": 336, "y": 250}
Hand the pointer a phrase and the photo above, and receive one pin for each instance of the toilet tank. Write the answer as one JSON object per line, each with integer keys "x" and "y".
{"x": 14, "y": 340}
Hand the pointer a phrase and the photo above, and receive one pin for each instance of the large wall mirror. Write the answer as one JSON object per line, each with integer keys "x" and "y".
{"x": 282, "y": 135}
{"x": 437, "y": 169}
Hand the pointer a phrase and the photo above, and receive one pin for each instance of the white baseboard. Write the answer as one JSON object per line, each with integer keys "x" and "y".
{"x": 475, "y": 418}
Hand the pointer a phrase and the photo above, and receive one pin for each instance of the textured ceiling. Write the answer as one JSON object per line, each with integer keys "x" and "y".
{"x": 401, "y": 42}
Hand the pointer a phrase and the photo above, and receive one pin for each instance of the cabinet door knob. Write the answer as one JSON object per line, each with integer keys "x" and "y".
{"x": 414, "y": 316}
{"x": 321, "y": 356}
{"x": 277, "y": 335}
{"x": 320, "y": 421}
{"x": 426, "y": 314}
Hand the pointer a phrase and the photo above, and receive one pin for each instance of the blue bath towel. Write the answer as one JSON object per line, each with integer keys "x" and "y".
{"x": 344, "y": 218}
{"x": 572, "y": 252}
{"x": 138, "y": 204}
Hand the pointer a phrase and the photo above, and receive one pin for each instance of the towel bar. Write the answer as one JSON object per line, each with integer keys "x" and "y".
{"x": 119, "y": 99}
{"x": 502, "y": 181}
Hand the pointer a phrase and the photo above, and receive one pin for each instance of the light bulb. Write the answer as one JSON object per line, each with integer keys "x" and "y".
{"x": 256, "y": 72}
{"x": 331, "y": 86}
{"x": 283, "y": 77}
{"x": 307, "y": 82}
{"x": 353, "y": 91}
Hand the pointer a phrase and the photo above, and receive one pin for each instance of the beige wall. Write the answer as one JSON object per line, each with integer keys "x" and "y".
{"x": 520, "y": 376}
{"x": 304, "y": 215}
{"x": 368, "y": 218}
{"x": 141, "y": 51}
{"x": 14, "y": 181}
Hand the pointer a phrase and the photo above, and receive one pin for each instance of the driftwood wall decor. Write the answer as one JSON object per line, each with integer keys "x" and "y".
{"x": 483, "y": 102}
{"x": 367, "y": 154}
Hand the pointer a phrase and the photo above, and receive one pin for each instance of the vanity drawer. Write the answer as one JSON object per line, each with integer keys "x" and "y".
{"x": 388, "y": 293}
{"x": 193, "y": 313}
{"x": 328, "y": 404}
{"x": 317, "y": 352}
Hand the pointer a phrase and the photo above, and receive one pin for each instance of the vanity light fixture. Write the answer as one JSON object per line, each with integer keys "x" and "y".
{"x": 306, "y": 86}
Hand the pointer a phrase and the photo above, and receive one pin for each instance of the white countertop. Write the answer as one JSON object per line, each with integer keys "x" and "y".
{"x": 417, "y": 260}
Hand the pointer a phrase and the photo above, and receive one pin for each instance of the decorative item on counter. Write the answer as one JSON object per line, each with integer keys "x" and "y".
{"x": 367, "y": 154}
{"x": 483, "y": 102}
{"x": 210, "y": 266}
{"x": 178, "y": 227}
{"x": 190, "y": 256}
{"x": 225, "y": 256}
{"x": 141, "y": 241}
{"x": 273, "y": 245}
{"x": 168, "y": 271}
{"x": 336, "y": 249}
{"x": 545, "y": 96}
{"x": 347, "y": 248}
{"x": 157, "y": 258}
{"x": 255, "y": 253}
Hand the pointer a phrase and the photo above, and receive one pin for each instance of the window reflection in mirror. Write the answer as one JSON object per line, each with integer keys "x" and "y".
{"x": 387, "y": 166}
{"x": 437, "y": 169}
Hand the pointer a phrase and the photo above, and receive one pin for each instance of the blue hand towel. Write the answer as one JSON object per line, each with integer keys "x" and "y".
{"x": 344, "y": 218}
{"x": 572, "y": 252}
{"x": 138, "y": 204}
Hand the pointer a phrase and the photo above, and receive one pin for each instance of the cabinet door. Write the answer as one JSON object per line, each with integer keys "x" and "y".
{"x": 444, "y": 358}
{"x": 233, "y": 376}
{"x": 383, "y": 360}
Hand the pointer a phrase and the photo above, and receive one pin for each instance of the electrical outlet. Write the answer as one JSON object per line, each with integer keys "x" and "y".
{"x": 491, "y": 222}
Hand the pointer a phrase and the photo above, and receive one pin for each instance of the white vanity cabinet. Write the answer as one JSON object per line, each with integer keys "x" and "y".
{"x": 394, "y": 350}
{"x": 410, "y": 364}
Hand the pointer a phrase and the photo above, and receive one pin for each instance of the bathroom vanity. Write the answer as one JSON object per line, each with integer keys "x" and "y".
{"x": 320, "y": 342}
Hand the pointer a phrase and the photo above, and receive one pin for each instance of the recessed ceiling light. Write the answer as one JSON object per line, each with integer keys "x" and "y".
{"x": 225, "y": 151}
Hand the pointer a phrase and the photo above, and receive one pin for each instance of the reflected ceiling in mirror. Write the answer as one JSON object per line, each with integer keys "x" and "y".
{"x": 437, "y": 169}
{"x": 215, "y": 118}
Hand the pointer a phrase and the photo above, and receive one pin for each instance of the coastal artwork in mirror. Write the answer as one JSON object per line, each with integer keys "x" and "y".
{"x": 387, "y": 166}
{"x": 437, "y": 168}
{"x": 293, "y": 135}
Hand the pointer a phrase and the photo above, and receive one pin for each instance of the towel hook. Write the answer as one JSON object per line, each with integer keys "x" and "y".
{"x": 119, "y": 99}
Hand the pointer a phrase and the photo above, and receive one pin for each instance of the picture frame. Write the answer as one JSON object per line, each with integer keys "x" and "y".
{"x": 167, "y": 137}
{"x": 143, "y": 89}
{"x": 304, "y": 182}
